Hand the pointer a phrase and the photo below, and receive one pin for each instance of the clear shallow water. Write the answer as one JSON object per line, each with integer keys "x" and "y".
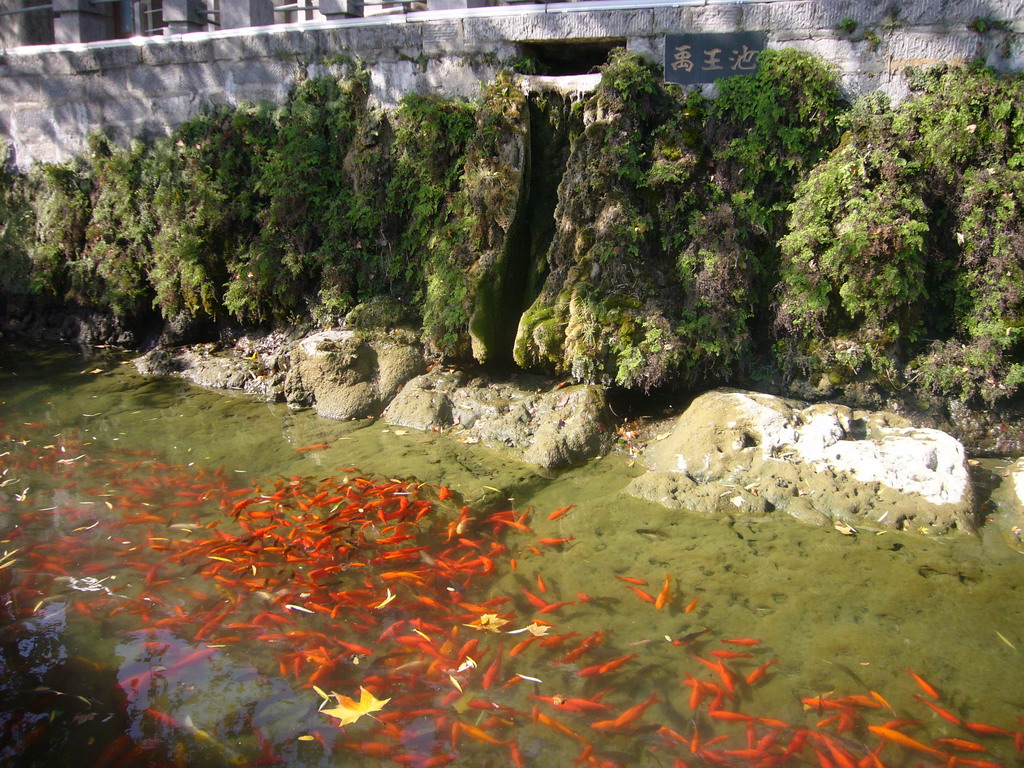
{"x": 150, "y": 463}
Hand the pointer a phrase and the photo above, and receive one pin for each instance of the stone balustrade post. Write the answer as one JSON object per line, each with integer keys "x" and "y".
{"x": 246, "y": 13}
{"x": 335, "y": 9}
{"x": 79, "y": 21}
{"x": 181, "y": 16}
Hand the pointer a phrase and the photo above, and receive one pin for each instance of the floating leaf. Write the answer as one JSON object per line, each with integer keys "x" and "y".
{"x": 491, "y": 622}
{"x": 350, "y": 710}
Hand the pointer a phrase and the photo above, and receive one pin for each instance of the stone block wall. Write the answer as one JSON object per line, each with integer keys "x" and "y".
{"x": 53, "y": 96}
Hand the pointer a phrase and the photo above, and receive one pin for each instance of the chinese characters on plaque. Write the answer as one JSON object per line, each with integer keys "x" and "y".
{"x": 703, "y": 58}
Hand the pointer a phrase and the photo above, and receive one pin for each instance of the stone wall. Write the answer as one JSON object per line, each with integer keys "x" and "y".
{"x": 54, "y": 96}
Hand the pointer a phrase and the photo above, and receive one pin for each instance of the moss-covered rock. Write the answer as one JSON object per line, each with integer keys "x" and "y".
{"x": 746, "y": 455}
{"x": 637, "y": 237}
{"x": 902, "y": 262}
{"x": 603, "y": 312}
{"x": 664, "y": 251}
{"x": 550, "y": 428}
{"x": 16, "y": 224}
{"x": 493, "y": 204}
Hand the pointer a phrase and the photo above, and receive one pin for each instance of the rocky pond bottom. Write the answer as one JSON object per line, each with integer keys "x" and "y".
{"x": 197, "y": 579}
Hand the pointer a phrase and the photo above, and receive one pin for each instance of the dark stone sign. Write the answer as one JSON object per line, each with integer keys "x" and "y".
{"x": 703, "y": 58}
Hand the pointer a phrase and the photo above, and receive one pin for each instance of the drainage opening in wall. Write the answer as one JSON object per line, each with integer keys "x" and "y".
{"x": 571, "y": 57}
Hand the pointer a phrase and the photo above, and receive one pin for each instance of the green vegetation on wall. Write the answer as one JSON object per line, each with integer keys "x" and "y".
{"x": 669, "y": 213}
{"x": 16, "y": 219}
{"x": 903, "y": 259}
{"x": 695, "y": 240}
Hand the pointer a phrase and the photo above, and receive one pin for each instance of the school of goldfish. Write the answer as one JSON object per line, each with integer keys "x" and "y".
{"x": 382, "y": 590}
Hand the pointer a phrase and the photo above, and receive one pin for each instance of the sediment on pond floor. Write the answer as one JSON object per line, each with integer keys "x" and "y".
{"x": 636, "y": 236}
{"x": 139, "y": 468}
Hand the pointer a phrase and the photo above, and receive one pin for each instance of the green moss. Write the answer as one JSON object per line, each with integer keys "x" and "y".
{"x": 431, "y": 139}
{"x": 188, "y": 205}
{"x": 110, "y": 271}
{"x": 16, "y": 226}
{"x": 382, "y": 312}
{"x": 305, "y": 228}
{"x": 984, "y": 24}
{"x": 904, "y": 244}
{"x": 596, "y": 314}
{"x": 60, "y": 199}
{"x": 767, "y": 131}
{"x": 650, "y": 234}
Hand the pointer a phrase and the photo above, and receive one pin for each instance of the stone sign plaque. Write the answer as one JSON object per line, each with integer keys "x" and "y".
{"x": 703, "y": 58}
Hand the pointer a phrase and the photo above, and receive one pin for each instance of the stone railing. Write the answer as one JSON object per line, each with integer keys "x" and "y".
{"x": 55, "y": 95}
{"x": 41, "y": 22}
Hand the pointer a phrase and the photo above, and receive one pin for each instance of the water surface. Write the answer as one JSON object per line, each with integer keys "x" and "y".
{"x": 150, "y": 463}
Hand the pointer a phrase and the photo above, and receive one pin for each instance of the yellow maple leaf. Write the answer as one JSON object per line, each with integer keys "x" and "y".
{"x": 350, "y": 710}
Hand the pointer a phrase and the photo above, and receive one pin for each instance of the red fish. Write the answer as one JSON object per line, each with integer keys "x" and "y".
{"x": 945, "y": 714}
{"x": 559, "y": 512}
{"x": 982, "y": 729}
{"x": 611, "y": 666}
{"x": 905, "y": 741}
{"x": 961, "y": 744}
{"x": 631, "y": 580}
{"x": 632, "y": 714}
{"x": 925, "y": 686}
{"x": 758, "y": 673}
{"x": 537, "y": 602}
{"x": 643, "y": 595}
{"x": 663, "y": 595}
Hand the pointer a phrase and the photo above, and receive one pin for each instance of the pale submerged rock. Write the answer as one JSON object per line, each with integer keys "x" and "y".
{"x": 924, "y": 462}
{"x": 818, "y": 463}
{"x": 1017, "y": 474}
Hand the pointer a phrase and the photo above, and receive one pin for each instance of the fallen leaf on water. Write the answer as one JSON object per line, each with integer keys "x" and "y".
{"x": 350, "y": 710}
{"x": 491, "y": 622}
{"x": 843, "y": 528}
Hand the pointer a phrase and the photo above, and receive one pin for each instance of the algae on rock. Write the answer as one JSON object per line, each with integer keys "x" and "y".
{"x": 604, "y": 311}
{"x": 669, "y": 207}
{"x": 490, "y": 205}
{"x": 903, "y": 257}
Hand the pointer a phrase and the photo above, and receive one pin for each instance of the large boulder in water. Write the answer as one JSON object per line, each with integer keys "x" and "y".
{"x": 749, "y": 454}
{"x": 350, "y": 374}
{"x": 549, "y": 428}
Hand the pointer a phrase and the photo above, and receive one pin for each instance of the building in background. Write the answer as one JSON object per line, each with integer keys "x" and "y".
{"x": 42, "y": 22}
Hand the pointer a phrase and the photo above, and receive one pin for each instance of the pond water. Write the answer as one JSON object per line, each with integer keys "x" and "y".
{"x": 189, "y": 577}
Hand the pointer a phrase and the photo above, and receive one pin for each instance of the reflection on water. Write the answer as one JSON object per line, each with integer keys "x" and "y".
{"x": 166, "y": 563}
